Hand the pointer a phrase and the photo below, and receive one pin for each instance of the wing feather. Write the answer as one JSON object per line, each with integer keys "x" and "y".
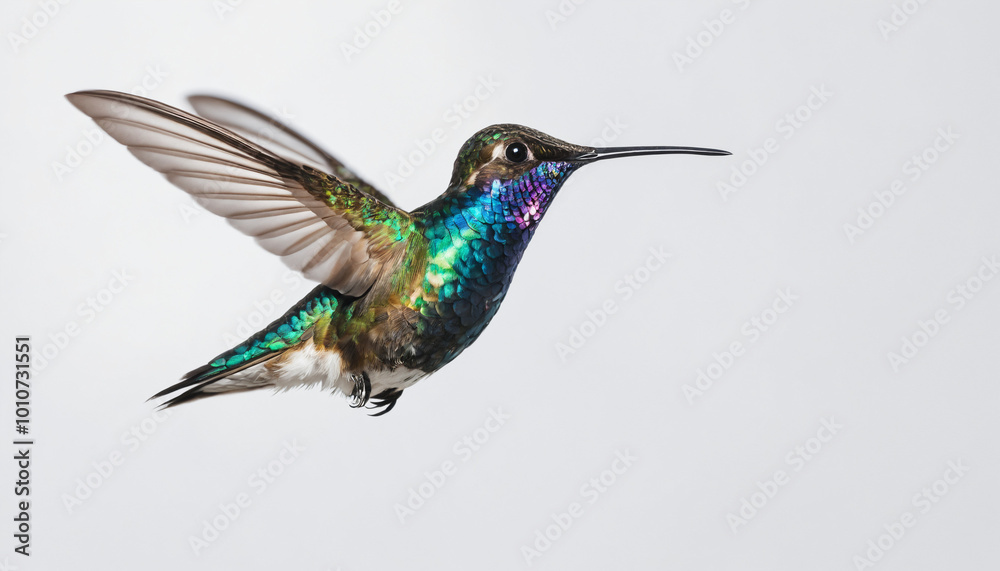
{"x": 310, "y": 217}
{"x": 280, "y": 138}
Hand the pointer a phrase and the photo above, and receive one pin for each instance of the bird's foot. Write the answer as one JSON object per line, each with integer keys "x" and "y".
{"x": 387, "y": 399}
{"x": 362, "y": 389}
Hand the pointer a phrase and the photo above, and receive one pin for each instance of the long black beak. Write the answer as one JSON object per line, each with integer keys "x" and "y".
{"x": 599, "y": 154}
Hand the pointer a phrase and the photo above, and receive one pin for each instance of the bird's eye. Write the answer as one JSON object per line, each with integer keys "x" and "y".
{"x": 516, "y": 152}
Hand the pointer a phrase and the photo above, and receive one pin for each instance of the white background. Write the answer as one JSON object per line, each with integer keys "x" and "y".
{"x": 192, "y": 279}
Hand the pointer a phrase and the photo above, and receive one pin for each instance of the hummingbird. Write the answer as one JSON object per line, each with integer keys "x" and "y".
{"x": 401, "y": 293}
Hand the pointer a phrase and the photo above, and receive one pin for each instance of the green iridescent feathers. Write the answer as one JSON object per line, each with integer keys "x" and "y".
{"x": 310, "y": 317}
{"x": 315, "y": 312}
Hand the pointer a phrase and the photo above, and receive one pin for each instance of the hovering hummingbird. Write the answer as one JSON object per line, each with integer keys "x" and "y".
{"x": 401, "y": 293}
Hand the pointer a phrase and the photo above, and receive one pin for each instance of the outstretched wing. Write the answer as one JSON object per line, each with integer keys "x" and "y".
{"x": 281, "y": 139}
{"x": 319, "y": 224}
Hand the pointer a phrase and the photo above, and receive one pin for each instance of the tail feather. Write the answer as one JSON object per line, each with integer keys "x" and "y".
{"x": 290, "y": 330}
{"x": 202, "y": 380}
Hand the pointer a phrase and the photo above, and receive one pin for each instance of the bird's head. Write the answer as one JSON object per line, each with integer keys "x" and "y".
{"x": 521, "y": 169}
